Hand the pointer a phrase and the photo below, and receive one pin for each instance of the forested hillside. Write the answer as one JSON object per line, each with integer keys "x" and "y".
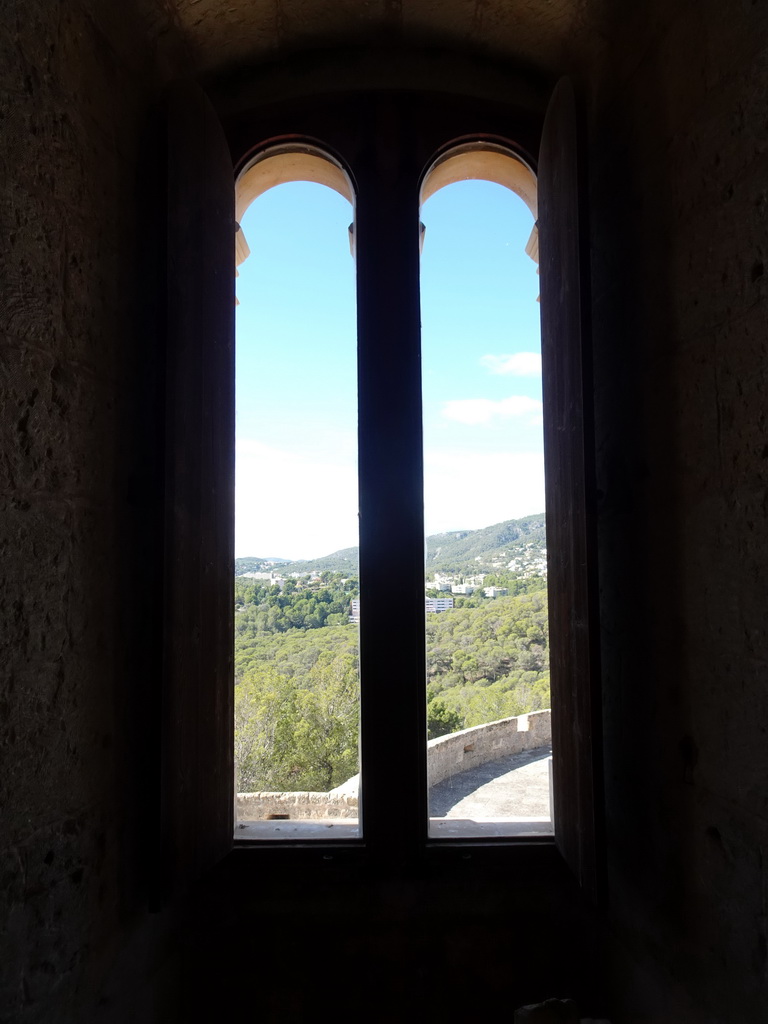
{"x": 268, "y": 608}
{"x": 296, "y": 708}
{"x": 490, "y": 661}
{"x": 297, "y": 685}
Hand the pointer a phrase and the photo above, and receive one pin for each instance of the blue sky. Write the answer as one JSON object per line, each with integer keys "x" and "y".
{"x": 296, "y": 484}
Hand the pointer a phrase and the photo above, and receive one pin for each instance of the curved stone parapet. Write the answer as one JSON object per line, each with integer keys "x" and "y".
{"x": 460, "y": 751}
{"x": 446, "y": 756}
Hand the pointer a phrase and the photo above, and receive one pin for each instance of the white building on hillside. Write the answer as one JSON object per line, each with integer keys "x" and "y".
{"x": 431, "y": 605}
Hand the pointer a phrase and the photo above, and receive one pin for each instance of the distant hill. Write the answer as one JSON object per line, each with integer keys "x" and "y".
{"x": 460, "y": 551}
{"x": 345, "y": 560}
{"x": 243, "y": 565}
{"x": 489, "y": 548}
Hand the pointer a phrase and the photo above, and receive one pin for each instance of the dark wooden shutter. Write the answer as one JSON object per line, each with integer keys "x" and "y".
{"x": 570, "y": 492}
{"x": 198, "y": 746}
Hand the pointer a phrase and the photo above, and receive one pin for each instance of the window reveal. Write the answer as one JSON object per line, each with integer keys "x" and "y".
{"x": 389, "y": 151}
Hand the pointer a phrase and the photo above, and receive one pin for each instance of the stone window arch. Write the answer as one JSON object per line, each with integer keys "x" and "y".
{"x": 279, "y": 164}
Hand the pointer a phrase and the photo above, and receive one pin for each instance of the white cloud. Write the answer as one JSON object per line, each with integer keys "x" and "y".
{"x": 521, "y": 364}
{"x": 290, "y": 505}
{"x": 483, "y": 410}
{"x": 294, "y": 506}
{"x": 469, "y": 490}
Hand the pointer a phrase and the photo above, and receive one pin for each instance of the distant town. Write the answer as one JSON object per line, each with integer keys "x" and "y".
{"x": 460, "y": 585}
{"x": 492, "y": 562}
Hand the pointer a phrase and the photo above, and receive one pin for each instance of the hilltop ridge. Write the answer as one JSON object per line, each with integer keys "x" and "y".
{"x": 457, "y": 551}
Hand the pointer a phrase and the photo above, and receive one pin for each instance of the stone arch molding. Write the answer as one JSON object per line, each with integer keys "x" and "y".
{"x": 486, "y": 161}
{"x": 276, "y": 165}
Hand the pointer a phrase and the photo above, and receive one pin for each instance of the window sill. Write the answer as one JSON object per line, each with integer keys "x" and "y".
{"x": 441, "y": 829}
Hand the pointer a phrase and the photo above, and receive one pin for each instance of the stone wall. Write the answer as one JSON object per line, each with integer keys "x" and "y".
{"x": 78, "y": 448}
{"x": 675, "y": 99}
{"x": 460, "y": 751}
{"x": 678, "y": 167}
{"x": 297, "y": 806}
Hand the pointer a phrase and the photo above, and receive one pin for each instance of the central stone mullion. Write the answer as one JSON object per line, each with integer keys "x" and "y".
{"x": 392, "y": 635}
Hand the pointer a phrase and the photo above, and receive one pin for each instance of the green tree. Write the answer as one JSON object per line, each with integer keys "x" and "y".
{"x": 441, "y": 719}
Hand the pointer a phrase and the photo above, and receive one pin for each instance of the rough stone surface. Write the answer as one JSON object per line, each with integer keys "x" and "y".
{"x": 680, "y": 412}
{"x": 675, "y": 100}
{"x": 222, "y": 35}
{"x": 297, "y": 805}
{"x": 72, "y": 97}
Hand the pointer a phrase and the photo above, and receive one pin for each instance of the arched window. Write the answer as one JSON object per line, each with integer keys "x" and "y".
{"x": 296, "y": 647}
{"x": 487, "y": 658}
{"x": 386, "y": 141}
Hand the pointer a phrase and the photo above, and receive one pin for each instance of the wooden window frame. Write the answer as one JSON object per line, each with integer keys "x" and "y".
{"x": 386, "y": 166}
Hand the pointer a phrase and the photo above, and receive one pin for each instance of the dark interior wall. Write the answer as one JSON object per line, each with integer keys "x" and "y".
{"x": 76, "y": 461}
{"x": 676, "y": 111}
{"x": 445, "y": 939}
{"x": 678, "y": 195}
{"x": 81, "y": 457}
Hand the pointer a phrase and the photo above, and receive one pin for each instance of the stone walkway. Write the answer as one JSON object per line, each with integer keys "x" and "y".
{"x": 508, "y": 797}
